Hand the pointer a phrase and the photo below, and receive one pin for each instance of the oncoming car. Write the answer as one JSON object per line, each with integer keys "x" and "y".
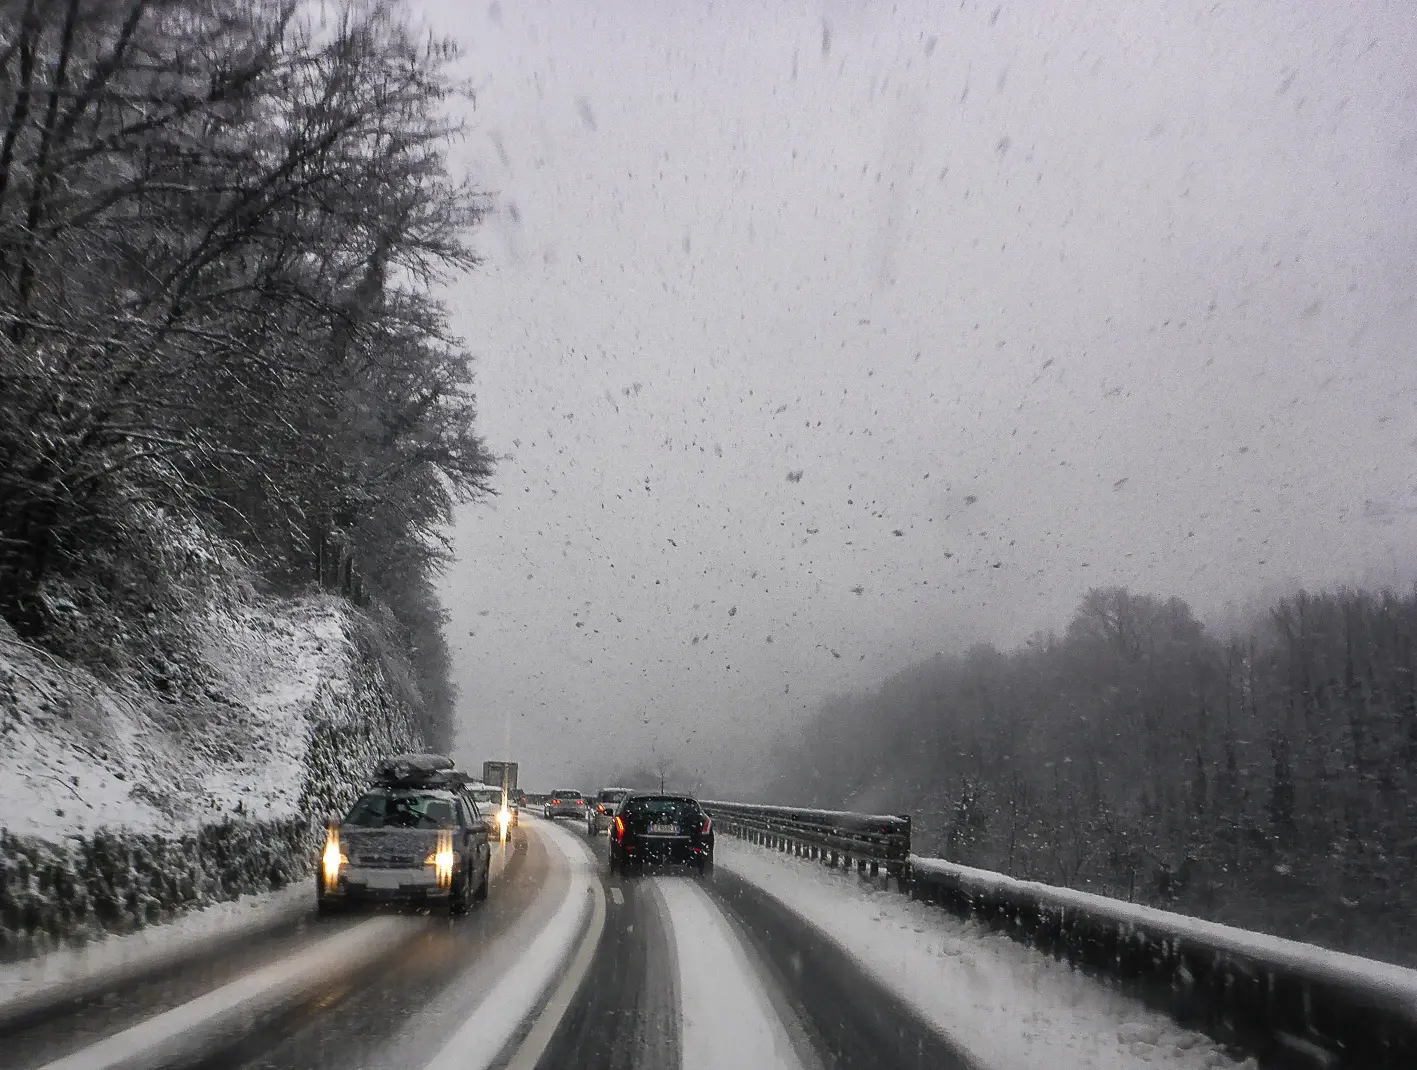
{"x": 489, "y": 802}
{"x": 600, "y": 812}
{"x": 659, "y": 830}
{"x": 415, "y": 837}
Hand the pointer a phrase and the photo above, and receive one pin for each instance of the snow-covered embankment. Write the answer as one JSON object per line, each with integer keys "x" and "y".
{"x": 120, "y": 806}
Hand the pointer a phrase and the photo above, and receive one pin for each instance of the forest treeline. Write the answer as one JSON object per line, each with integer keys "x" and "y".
{"x": 1266, "y": 779}
{"x": 221, "y": 224}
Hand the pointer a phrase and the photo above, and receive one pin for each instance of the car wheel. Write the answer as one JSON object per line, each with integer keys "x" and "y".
{"x": 486, "y": 885}
{"x": 705, "y": 867}
{"x": 458, "y": 898}
{"x": 326, "y": 907}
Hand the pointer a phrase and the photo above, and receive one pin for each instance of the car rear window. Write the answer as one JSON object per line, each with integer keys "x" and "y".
{"x": 612, "y": 796}
{"x": 661, "y": 810}
{"x": 565, "y": 795}
{"x": 409, "y": 810}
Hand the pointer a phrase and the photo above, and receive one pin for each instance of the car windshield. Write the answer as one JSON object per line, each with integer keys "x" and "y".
{"x": 972, "y": 442}
{"x": 412, "y": 810}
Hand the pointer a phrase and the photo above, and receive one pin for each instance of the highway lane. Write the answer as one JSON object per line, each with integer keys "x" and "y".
{"x": 680, "y": 954}
{"x": 381, "y": 1016}
{"x": 653, "y": 971}
{"x": 854, "y": 1023}
{"x": 407, "y": 950}
{"x": 626, "y": 1013}
{"x": 36, "y": 1036}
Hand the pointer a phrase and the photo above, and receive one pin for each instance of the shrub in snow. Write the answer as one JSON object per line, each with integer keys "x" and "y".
{"x": 115, "y": 881}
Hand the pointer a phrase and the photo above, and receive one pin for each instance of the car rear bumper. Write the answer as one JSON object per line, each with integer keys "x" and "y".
{"x": 664, "y": 851}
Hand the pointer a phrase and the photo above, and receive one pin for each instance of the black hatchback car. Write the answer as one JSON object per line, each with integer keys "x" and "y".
{"x": 661, "y": 830}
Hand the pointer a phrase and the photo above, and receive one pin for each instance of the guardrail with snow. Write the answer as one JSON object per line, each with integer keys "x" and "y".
{"x": 1288, "y": 1003}
{"x": 871, "y": 842}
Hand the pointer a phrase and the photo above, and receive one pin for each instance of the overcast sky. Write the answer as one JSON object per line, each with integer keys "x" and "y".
{"x": 1034, "y": 296}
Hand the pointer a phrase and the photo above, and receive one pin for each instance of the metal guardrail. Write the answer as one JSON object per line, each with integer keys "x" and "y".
{"x": 870, "y": 842}
{"x": 1291, "y": 1005}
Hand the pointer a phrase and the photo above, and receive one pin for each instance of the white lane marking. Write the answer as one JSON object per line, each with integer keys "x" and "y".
{"x": 487, "y": 1030}
{"x": 260, "y": 988}
{"x": 618, "y": 896}
{"x": 534, "y": 1046}
{"x": 726, "y": 1017}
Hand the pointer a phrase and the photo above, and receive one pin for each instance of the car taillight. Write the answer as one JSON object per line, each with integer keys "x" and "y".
{"x": 556, "y": 801}
{"x": 708, "y": 826}
{"x": 619, "y": 829}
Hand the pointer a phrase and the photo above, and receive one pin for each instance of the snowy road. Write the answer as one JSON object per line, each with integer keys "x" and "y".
{"x": 569, "y": 966}
{"x": 565, "y": 966}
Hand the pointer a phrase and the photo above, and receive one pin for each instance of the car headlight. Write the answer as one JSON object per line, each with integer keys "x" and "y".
{"x": 504, "y": 818}
{"x": 332, "y": 859}
{"x": 442, "y": 860}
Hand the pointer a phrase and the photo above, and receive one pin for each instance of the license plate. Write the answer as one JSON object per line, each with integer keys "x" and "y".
{"x": 663, "y": 830}
{"x": 385, "y": 880}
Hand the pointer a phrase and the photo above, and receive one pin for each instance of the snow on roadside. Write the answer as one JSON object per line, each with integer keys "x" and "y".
{"x": 1011, "y": 1007}
{"x": 79, "y": 753}
{"x": 1388, "y": 979}
{"x": 69, "y": 760}
{"x": 41, "y": 978}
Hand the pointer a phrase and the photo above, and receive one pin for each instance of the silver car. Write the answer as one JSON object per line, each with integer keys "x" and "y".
{"x": 600, "y": 812}
{"x": 415, "y": 845}
{"x": 415, "y": 837}
{"x": 565, "y": 802}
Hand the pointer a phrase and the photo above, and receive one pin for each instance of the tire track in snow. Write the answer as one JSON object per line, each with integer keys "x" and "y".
{"x": 159, "y": 1039}
{"x": 500, "y": 1019}
{"x": 626, "y": 1014}
{"x": 727, "y": 1019}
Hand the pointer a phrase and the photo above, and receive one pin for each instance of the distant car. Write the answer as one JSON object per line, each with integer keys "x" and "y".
{"x": 600, "y": 813}
{"x": 415, "y": 836}
{"x": 661, "y": 830}
{"x": 565, "y": 803}
{"x": 489, "y": 801}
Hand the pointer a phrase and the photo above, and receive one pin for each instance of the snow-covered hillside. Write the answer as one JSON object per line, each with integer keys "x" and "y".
{"x": 81, "y": 754}
{"x": 120, "y": 805}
